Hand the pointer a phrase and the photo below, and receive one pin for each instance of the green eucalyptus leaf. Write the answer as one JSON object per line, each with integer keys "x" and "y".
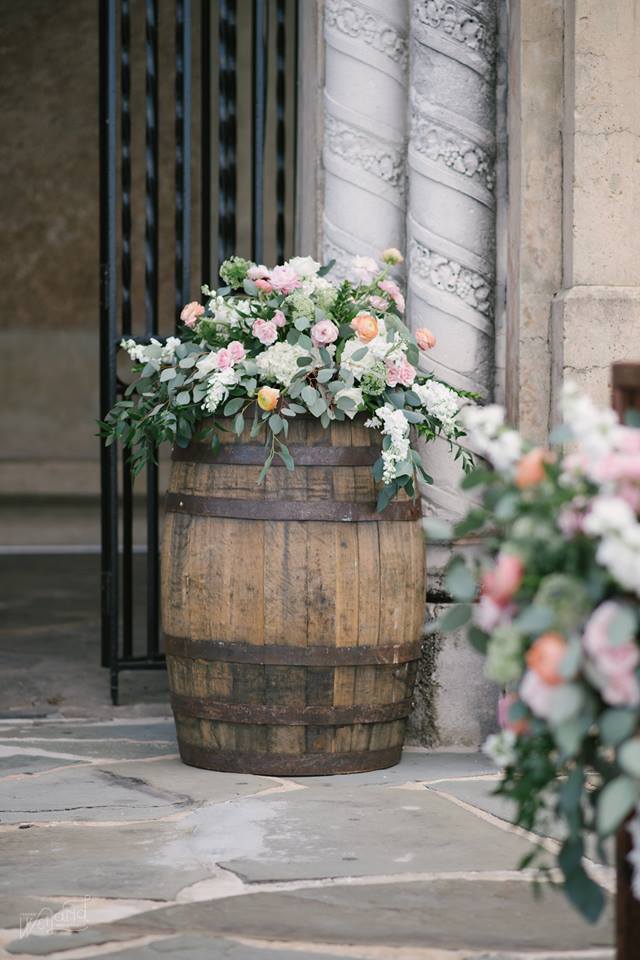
{"x": 460, "y": 582}
{"x": 285, "y": 456}
{"x": 324, "y": 375}
{"x": 309, "y": 394}
{"x": 615, "y": 801}
{"x": 276, "y": 423}
{"x": 617, "y": 725}
{"x": 585, "y": 894}
{"x": 302, "y": 323}
{"x": 232, "y": 406}
{"x": 183, "y": 398}
{"x": 167, "y": 374}
{"x": 629, "y": 757}
{"x": 534, "y": 620}
{"x": 455, "y": 617}
{"x": 623, "y": 625}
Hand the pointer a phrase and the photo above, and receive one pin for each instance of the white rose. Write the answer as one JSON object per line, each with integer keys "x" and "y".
{"x": 304, "y": 267}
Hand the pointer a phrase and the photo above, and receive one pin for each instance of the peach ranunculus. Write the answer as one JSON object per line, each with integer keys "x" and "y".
{"x": 392, "y": 256}
{"x": 365, "y": 326}
{"x": 545, "y": 656}
{"x": 425, "y": 339}
{"x": 268, "y": 398}
{"x": 530, "y": 468}
{"x": 323, "y": 333}
{"x": 504, "y": 580}
{"x": 191, "y": 312}
{"x": 265, "y": 331}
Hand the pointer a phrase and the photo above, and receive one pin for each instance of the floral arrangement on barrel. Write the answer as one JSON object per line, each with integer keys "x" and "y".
{"x": 273, "y": 344}
{"x": 557, "y": 619}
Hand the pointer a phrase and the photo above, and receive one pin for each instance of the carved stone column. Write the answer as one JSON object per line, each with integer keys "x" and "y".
{"x": 366, "y": 67}
{"x": 451, "y": 215}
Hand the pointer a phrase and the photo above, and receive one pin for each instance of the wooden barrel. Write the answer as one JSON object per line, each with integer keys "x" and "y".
{"x": 292, "y": 611}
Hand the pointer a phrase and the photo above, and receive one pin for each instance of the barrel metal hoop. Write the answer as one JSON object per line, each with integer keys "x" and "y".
{"x": 280, "y": 654}
{"x": 289, "y": 715}
{"x": 287, "y": 764}
{"x": 253, "y": 454}
{"x": 319, "y": 510}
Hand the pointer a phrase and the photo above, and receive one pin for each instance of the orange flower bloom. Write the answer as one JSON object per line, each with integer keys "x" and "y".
{"x": 545, "y": 657}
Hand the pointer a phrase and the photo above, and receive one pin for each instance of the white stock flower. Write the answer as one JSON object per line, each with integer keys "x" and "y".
{"x": 439, "y": 401}
{"x": 490, "y": 438}
{"x": 280, "y": 362}
{"x": 219, "y": 388}
{"x": 155, "y": 353}
{"x": 396, "y": 427}
{"x": 500, "y": 747}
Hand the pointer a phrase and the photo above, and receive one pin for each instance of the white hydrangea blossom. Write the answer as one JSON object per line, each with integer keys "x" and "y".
{"x": 395, "y": 426}
{"x": 377, "y": 349}
{"x": 500, "y": 747}
{"x": 280, "y": 362}
{"x": 219, "y": 388}
{"x": 489, "y": 436}
{"x": 155, "y": 353}
{"x": 439, "y": 401}
{"x": 593, "y": 427}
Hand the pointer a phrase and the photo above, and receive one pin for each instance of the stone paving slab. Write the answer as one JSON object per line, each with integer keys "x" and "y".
{"x": 19, "y": 764}
{"x": 88, "y": 750}
{"x": 416, "y": 765}
{"x": 12, "y": 908}
{"x": 95, "y": 861}
{"x": 148, "y": 730}
{"x": 451, "y": 914}
{"x": 340, "y": 831}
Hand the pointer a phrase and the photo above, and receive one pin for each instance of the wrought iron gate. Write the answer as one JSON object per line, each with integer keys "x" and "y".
{"x": 238, "y": 143}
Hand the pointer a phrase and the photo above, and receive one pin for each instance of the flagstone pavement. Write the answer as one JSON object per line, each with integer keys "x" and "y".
{"x": 109, "y": 846}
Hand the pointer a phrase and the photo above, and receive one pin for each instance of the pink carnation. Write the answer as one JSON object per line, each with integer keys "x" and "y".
{"x": 191, "y": 312}
{"x": 323, "y": 333}
{"x": 265, "y": 331}
{"x": 392, "y": 288}
{"x": 284, "y": 279}
{"x": 264, "y": 286}
{"x": 615, "y": 662}
{"x": 279, "y": 318}
{"x": 402, "y": 373}
{"x": 236, "y": 351}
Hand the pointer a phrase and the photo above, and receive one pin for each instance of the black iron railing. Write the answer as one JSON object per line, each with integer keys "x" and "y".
{"x": 254, "y": 222}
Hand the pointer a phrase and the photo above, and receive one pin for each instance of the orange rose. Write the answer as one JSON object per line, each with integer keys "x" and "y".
{"x": 545, "y": 657}
{"x": 365, "y": 326}
{"x": 530, "y": 469}
{"x": 425, "y": 339}
{"x": 268, "y": 398}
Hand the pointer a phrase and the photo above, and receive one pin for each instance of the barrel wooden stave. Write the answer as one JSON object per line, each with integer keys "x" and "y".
{"x": 294, "y": 584}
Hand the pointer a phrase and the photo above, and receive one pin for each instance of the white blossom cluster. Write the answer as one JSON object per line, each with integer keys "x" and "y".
{"x": 488, "y": 435}
{"x": 218, "y": 388}
{"x": 614, "y": 521}
{"x": 500, "y": 747}
{"x": 593, "y": 427}
{"x": 378, "y": 349}
{"x": 155, "y": 353}
{"x": 439, "y": 401}
{"x": 280, "y": 362}
{"x": 395, "y": 426}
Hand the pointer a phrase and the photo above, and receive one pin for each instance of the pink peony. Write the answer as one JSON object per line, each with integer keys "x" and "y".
{"x": 264, "y": 286}
{"x": 284, "y": 280}
{"x": 501, "y": 583}
{"x": 236, "y": 351}
{"x": 487, "y": 614}
{"x": 259, "y": 272}
{"x": 323, "y": 333}
{"x": 402, "y": 373}
{"x": 615, "y": 662}
{"x": 279, "y": 318}
{"x": 265, "y": 331}
{"x": 537, "y": 694}
{"x": 191, "y": 312}
{"x": 363, "y": 269}
{"x": 392, "y": 288}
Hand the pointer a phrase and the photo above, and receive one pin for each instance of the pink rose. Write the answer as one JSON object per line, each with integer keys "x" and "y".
{"x": 284, "y": 280}
{"x": 191, "y": 312}
{"x": 392, "y": 288}
{"x": 279, "y": 318}
{"x": 265, "y": 331}
{"x": 236, "y": 351}
{"x": 259, "y": 272}
{"x": 537, "y": 694}
{"x": 614, "y": 662}
{"x": 378, "y": 303}
{"x": 323, "y": 333}
{"x": 264, "y": 286}
{"x": 487, "y": 614}
{"x": 223, "y": 359}
{"x": 402, "y": 373}
{"x": 425, "y": 339}
{"x": 501, "y": 583}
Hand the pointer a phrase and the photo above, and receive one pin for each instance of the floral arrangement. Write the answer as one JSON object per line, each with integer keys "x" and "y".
{"x": 273, "y": 344}
{"x": 557, "y": 619}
